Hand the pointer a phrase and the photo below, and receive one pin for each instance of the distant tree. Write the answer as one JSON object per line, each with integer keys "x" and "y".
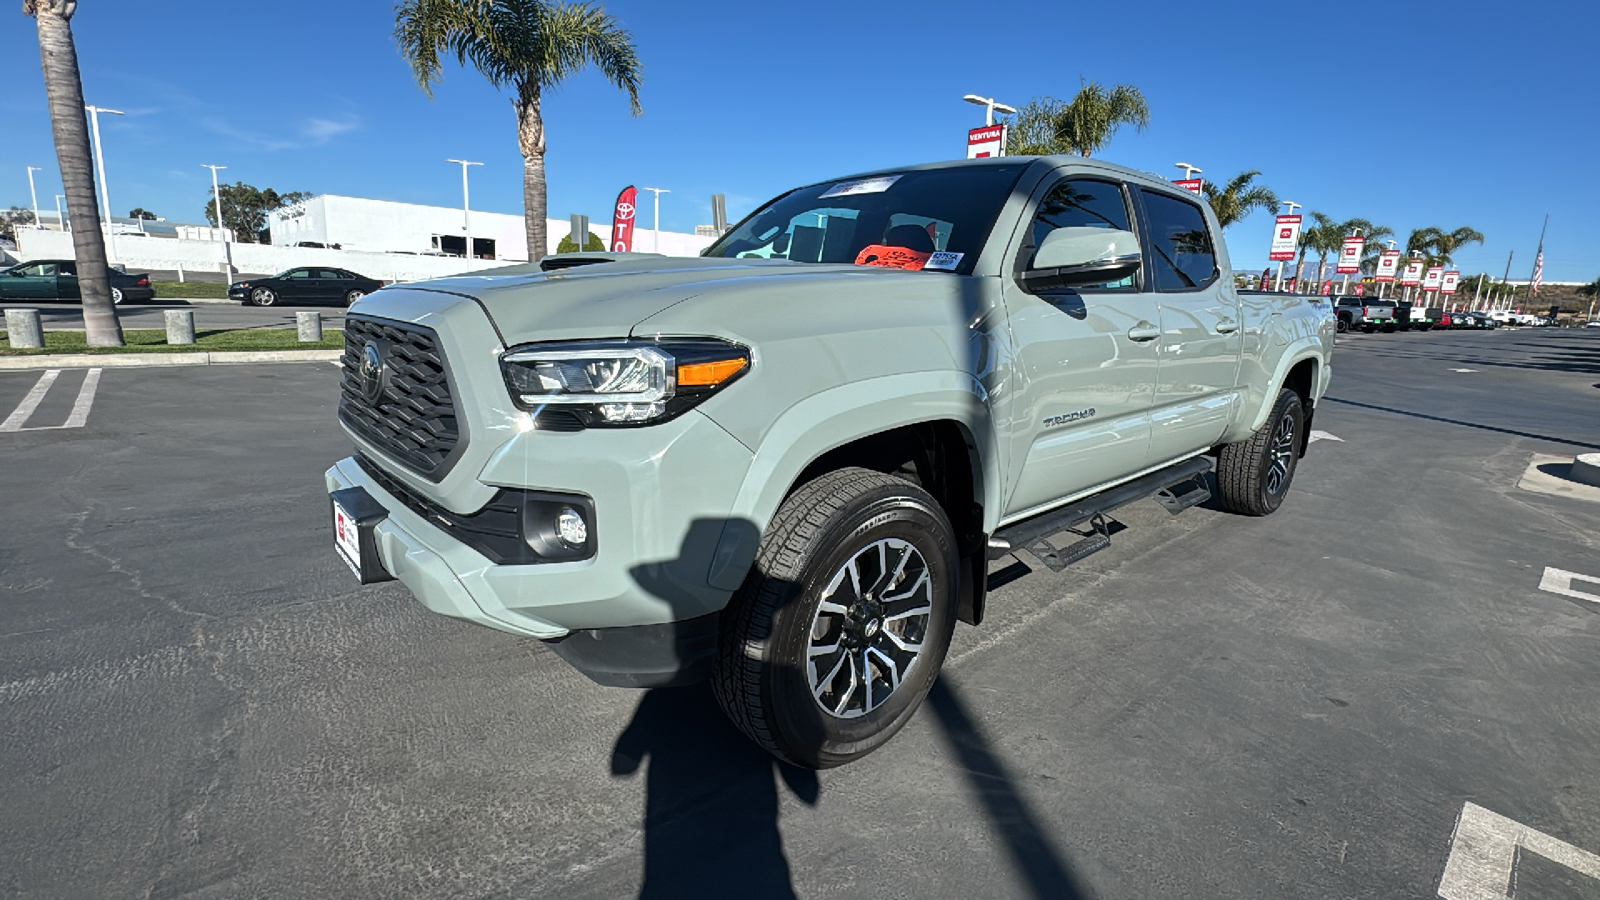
{"x": 69, "y": 127}
{"x": 12, "y": 219}
{"x": 592, "y": 245}
{"x": 1438, "y": 247}
{"x": 1083, "y": 126}
{"x": 528, "y": 46}
{"x": 245, "y": 208}
{"x": 139, "y": 212}
{"x": 1592, "y": 289}
{"x": 1375, "y": 236}
{"x": 1238, "y": 198}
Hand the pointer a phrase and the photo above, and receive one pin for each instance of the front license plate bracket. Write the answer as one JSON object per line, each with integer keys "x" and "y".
{"x": 365, "y": 512}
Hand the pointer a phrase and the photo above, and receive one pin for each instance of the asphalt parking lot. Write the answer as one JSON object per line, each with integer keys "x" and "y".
{"x": 197, "y": 700}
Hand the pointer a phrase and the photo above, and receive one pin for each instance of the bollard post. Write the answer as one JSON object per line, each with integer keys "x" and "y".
{"x": 22, "y": 325}
{"x": 310, "y": 325}
{"x": 180, "y": 326}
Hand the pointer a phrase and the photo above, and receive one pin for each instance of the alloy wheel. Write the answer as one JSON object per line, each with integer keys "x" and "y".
{"x": 868, "y": 631}
{"x": 1283, "y": 447}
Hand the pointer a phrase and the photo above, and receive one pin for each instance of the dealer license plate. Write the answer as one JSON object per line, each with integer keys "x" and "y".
{"x": 347, "y": 538}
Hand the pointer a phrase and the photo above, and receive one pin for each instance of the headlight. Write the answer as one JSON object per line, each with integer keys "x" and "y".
{"x": 621, "y": 383}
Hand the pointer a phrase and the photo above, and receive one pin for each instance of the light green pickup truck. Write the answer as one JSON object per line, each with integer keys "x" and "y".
{"x": 786, "y": 465}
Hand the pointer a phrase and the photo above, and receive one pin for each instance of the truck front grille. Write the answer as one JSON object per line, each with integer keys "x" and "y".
{"x": 409, "y": 413}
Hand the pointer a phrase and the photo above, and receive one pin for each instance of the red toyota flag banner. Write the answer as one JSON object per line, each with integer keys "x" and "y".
{"x": 622, "y": 220}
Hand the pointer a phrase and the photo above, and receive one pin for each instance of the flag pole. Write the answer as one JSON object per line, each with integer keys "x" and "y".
{"x": 1538, "y": 259}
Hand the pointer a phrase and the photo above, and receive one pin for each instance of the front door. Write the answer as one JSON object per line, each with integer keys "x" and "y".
{"x": 1084, "y": 367}
{"x": 1196, "y": 390}
{"x": 33, "y": 281}
{"x": 298, "y": 285}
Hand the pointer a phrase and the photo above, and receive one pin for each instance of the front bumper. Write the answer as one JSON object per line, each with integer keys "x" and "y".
{"x": 661, "y": 499}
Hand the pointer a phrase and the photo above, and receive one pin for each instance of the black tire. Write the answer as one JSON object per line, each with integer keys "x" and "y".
{"x": 1245, "y": 470}
{"x": 1342, "y": 326}
{"x": 116, "y": 296}
{"x": 352, "y": 296}
{"x": 762, "y": 673}
{"x": 1425, "y": 327}
{"x": 263, "y": 297}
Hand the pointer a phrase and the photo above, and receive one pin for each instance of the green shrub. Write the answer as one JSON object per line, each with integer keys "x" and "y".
{"x": 592, "y": 245}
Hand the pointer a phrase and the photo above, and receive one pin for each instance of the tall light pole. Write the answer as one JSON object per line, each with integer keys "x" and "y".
{"x": 61, "y": 222}
{"x": 100, "y": 166}
{"x": 216, "y": 194}
{"x": 990, "y": 107}
{"x": 466, "y": 211}
{"x": 1292, "y": 207}
{"x": 35, "y": 195}
{"x": 655, "y": 243}
{"x": 1397, "y": 272}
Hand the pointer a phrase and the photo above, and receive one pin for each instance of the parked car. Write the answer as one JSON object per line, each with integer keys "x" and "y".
{"x": 57, "y": 279}
{"x": 308, "y": 284}
{"x": 1368, "y": 314}
{"x": 787, "y": 464}
{"x": 1477, "y": 320}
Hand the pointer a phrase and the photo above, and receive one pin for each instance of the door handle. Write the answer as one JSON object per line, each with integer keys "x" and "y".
{"x": 1143, "y": 331}
{"x": 1227, "y": 326}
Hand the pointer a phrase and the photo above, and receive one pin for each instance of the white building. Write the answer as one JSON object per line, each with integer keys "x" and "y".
{"x": 384, "y": 226}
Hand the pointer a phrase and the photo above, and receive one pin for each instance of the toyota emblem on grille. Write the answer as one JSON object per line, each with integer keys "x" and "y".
{"x": 370, "y": 374}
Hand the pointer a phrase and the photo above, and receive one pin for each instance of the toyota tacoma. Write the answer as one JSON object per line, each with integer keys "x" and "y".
{"x": 786, "y": 465}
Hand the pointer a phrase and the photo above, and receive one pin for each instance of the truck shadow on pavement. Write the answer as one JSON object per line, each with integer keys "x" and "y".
{"x": 712, "y": 796}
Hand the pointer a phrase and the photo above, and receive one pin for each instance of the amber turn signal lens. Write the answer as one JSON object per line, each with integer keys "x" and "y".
{"x": 709, "y": 373}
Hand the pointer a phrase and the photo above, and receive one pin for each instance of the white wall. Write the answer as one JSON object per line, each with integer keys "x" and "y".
{"x": 356, "y": 223}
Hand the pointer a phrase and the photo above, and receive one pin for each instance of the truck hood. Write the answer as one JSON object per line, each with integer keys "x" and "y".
{"x": 610, "y": 299}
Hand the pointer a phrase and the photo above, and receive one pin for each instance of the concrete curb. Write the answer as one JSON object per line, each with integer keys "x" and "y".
{"x": 159, "y": 360}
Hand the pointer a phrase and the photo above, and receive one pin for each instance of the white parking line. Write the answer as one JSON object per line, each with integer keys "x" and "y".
{"x": 1323, "y": 436}
{"x": 30, "y": 403}
{"x": 1559, "y": 581}
{"x": 1483, "y": 854}
{"x": 80, "y": 407}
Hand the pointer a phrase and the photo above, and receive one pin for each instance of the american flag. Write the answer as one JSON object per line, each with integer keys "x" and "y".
{"x": 1538, "y": 271}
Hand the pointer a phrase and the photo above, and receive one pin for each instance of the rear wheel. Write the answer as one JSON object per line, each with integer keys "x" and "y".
{"x": 1253, "y": 475}
{"x": 263, "y": 297}
{"x": 1342, "y": 326}
{"x": 116, "y": 296}
{"x": 841, "y": 626}
{"x": 353, "y": 296}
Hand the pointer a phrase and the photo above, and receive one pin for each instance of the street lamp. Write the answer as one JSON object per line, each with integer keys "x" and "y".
{"x": 990, "y": 106}
{"x": 216, "y": 193}
{"x": 1292, "y": 207}
{"x": 466, "y": 212}
{"x": 1189, "y": 172}
{"x": 35, "y": 195}
{"x": 61, "y": 222}
{"x": 100, "y": 165}
{"x": 655, "y": 243}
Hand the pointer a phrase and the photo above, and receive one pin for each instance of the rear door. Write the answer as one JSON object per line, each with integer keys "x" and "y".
{"x": 67, "y": 280}
{"x": 1085, "y": 361}
{"x": 1201, "y": 340}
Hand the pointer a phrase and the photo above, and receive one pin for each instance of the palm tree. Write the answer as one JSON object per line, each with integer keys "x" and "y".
{"x": 64, "y": 94}
{"x": 1448, "y": 244}
{"x": 1083, "y": 126}
{"x": 527, "y": 45}
{"x": 1374, "y": 235}
{"x": 1324, "y": 237}
{"x": 1238, "y": 198}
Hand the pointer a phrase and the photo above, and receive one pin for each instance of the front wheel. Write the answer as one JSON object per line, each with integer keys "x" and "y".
{"x": 263, "y": 297}
{"x": 842, "y": 624}
{"x": 1253, "y": 475}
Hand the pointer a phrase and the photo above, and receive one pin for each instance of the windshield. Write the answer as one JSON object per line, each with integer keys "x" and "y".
{"x": 936, "y": 219}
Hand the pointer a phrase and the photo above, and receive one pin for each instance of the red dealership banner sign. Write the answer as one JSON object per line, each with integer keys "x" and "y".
{"x": 1192, "y": 185}
{"x": 1451, "y": 279}
{"x": 987, "y": 141}
{"x": 1433, "y": 279}
{"x": 622, "y": 220}
{"x": 1388, "y": 262}
{"x": 1285, "y": 238}
{"x": 1413, "y": 273}
{"x": 1350, "y": 255}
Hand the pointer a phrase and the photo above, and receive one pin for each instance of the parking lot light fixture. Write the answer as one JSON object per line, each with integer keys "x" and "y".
{"x": 1189, "y": 172}
{"x": 222, "y": 229}
{"x": 466, "y": 210}
{"x": 655, "y": 242}
{"x": 990, "y": 106}
{"x": 61, "y": 221}
{"x": 100, "y": 166}
{"x": 34, "y": 194}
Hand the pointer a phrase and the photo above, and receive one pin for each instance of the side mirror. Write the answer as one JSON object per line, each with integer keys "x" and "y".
{"x": 1082, "y": 255}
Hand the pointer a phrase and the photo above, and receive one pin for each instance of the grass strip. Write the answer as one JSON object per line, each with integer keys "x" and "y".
{"x": 178, "y": 290}
{"x": 154, "y": 340}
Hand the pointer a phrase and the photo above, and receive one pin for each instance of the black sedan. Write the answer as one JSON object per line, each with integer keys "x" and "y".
{"x": 309, "y": 284}
{"x": 57, "y": 279}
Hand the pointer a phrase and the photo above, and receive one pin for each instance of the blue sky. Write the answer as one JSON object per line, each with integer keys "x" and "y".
{"x": 1409, "y": 114}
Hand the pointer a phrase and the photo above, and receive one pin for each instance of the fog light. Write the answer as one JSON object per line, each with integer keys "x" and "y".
{"x": 574, "y": 532}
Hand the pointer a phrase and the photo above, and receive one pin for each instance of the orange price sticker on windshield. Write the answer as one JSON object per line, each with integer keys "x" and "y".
{"x": 891, "y": 257}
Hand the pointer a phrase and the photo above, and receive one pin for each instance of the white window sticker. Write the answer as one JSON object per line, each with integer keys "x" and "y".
{"x": 944, "y": 259}
{"x": 863, "y": 186}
